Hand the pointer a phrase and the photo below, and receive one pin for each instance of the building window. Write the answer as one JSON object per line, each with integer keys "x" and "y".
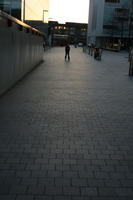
{"x": 112, "y": 1}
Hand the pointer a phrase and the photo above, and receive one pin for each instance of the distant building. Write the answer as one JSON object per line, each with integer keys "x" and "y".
{"x": 25, "y": 10}
{"x": 110, "y": 23}
{"x": 73, "y": 33}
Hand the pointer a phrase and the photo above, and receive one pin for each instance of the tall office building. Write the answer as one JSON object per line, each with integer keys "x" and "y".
{"x": 36, "y": 9}
{"x": 110, "y": 21}
{"x": 26, "y": 9}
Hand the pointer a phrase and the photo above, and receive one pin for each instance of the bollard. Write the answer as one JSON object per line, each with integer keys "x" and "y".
{"x": 131, "y": 63}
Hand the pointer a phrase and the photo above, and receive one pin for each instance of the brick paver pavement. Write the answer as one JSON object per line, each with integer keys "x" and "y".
{"x": 66, "y": 130}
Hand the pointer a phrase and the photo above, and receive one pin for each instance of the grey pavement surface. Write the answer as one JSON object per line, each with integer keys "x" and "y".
{"x": 66, "y": 130}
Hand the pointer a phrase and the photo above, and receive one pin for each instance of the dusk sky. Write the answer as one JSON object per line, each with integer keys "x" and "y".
{"x": 69, "y": 10}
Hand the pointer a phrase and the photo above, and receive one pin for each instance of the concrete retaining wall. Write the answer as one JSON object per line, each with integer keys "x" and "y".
{"x": 21, "y": 49}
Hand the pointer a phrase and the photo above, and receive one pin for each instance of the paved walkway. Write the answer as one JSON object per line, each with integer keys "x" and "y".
{"x": 66, "y": 130}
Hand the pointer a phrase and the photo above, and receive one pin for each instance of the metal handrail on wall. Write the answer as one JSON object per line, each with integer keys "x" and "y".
{"x": 10, "y": 20}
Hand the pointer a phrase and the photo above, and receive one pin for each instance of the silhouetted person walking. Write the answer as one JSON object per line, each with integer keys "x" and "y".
{"x": 44, "y": 45}
{"x": 67, "y": 52}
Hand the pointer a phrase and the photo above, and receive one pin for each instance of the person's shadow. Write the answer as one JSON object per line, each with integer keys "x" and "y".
{"x": 67, "y": 63}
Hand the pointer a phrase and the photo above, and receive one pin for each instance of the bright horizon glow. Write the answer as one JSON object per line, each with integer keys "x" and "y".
{"x": 69, "y": 11}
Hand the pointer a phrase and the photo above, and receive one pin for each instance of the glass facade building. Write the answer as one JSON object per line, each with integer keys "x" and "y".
{"x": 116, "y": 16}
{"x": 12, "y": 7}
{"x": 110, "y": 22}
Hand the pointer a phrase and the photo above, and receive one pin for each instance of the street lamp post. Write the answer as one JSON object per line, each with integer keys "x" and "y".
{"x": 43, "y": 14}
